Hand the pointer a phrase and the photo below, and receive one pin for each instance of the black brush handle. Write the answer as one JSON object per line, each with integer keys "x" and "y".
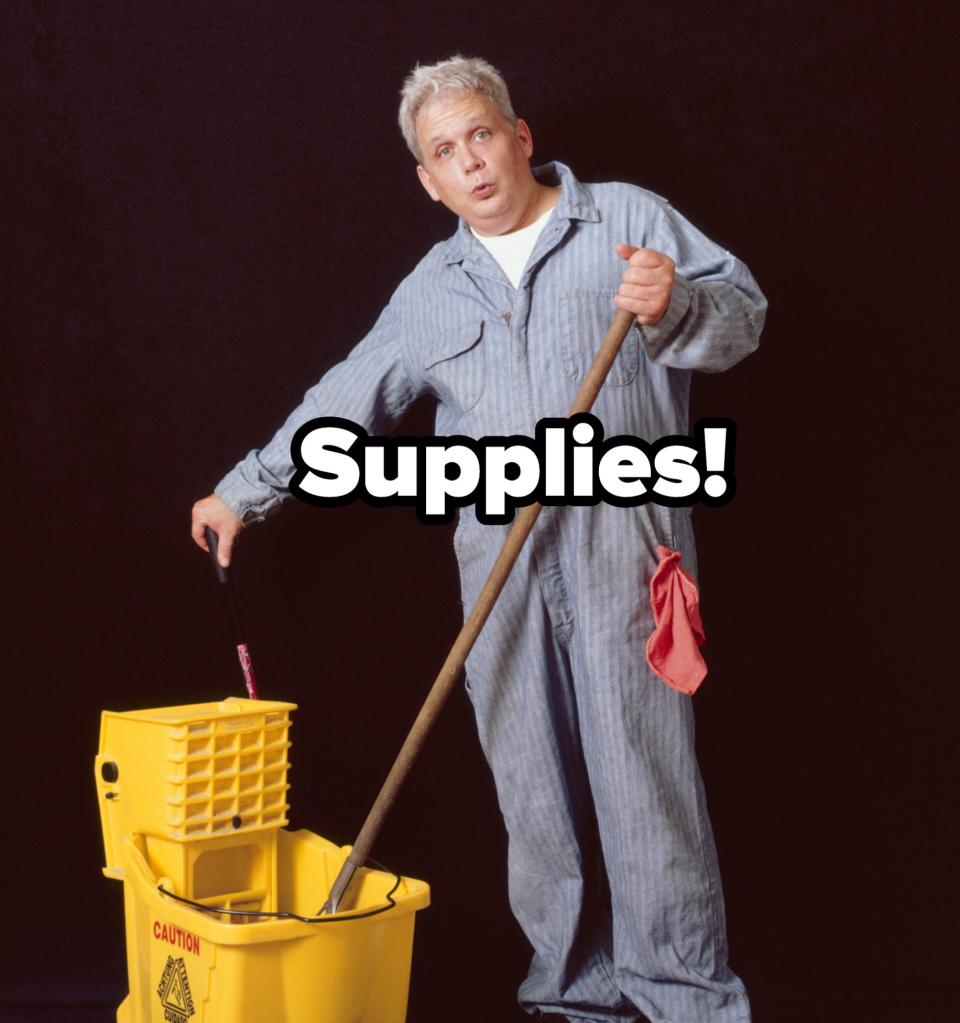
{"x": 213, "y": 542}
{"x": 232, "y": 608}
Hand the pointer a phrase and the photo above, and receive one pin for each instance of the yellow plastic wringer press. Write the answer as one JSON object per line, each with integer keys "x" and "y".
{"x": 220, "y": 900}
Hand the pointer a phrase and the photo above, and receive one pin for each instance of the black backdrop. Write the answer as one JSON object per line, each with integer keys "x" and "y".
{"x": 206, "y": 205}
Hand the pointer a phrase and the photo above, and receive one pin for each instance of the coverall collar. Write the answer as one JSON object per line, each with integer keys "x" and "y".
{"x": 575, "y": 203}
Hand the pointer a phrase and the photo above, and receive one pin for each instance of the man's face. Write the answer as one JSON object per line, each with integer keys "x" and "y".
{"x": 474, "y": 162}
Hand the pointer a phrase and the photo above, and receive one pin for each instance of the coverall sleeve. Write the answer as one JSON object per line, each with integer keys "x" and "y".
{"x": 372, "y": 387}
{"x": 716, "y": 310}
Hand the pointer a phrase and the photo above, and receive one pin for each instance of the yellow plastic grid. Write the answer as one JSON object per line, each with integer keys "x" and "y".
{"x": 227, "y": 773}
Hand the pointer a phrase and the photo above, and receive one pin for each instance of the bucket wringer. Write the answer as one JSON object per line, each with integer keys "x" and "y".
{"x": 193, "y": 802}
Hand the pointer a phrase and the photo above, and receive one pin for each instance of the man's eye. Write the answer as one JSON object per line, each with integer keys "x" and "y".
{"x": 444, "y": 151}
{"x": 482, "y": 134}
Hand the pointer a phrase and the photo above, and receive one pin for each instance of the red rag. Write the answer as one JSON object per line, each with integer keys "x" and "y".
{"x": 673, "y": 649}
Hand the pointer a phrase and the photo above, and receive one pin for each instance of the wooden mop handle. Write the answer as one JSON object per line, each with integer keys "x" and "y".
{"x": 452, "y": 667}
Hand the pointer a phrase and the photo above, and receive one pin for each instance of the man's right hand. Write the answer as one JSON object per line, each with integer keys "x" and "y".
{"x": 212, "y": 512}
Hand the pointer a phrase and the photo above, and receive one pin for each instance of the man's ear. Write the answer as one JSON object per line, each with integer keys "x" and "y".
{"x": 525, "y": 136}
{"x": 427, "y": 183}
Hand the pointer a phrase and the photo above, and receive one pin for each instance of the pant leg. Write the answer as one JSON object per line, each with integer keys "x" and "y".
{"x": 637, "y": 736}
{"x": 519, "y": 681}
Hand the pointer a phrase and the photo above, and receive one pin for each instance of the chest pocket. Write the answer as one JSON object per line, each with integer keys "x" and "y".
{"x": 585, "y": 317}
{"x": 453, "y": 365}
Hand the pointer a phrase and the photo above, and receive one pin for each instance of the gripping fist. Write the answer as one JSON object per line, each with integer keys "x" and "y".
{"x": 212, "y": 512}
{"x": 647, "y": 283}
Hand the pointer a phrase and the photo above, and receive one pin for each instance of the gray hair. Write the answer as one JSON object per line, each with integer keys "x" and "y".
{"x": 460, "y": 74}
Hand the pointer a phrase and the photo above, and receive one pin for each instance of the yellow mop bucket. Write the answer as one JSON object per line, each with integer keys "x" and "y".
{"x": 220, "y": 900}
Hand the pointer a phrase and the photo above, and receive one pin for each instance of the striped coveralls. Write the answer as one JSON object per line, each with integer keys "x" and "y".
{"x": 612, "y": 866}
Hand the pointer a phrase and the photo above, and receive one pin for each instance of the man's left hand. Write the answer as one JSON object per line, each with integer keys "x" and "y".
{"x": 647, "y": 283}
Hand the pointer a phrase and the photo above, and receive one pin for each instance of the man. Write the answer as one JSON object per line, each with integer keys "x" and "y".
{"x": 612, "y": 868}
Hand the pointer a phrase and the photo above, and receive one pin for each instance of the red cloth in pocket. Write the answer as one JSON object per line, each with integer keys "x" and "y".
{"x": 673, "y": 649}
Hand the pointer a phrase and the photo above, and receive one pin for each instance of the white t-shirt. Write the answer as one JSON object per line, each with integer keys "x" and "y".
{"x": 513, "y": 250}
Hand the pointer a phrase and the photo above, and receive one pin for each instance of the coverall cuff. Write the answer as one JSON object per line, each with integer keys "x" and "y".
{"x": 658, "y": 335}
{"x": 250, "y": 503}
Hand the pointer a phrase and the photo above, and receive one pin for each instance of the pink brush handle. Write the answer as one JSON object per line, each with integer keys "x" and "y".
{"x": 246, "y": 666}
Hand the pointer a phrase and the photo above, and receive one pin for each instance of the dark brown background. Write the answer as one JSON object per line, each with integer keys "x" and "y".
{"x": 206, "y": 205}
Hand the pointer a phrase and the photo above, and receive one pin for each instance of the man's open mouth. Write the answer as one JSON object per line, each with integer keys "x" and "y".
{"x": 483, "y": 190}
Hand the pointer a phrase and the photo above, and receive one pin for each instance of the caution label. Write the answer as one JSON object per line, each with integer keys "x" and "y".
{"x": 174, "y": 992}
{"x": 176, "y": 936}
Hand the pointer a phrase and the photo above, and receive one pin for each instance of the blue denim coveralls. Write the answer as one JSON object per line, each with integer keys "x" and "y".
{"x": 592, "y": 755}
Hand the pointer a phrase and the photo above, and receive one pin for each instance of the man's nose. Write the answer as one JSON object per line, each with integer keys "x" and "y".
{"x": 471, "y": 160}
